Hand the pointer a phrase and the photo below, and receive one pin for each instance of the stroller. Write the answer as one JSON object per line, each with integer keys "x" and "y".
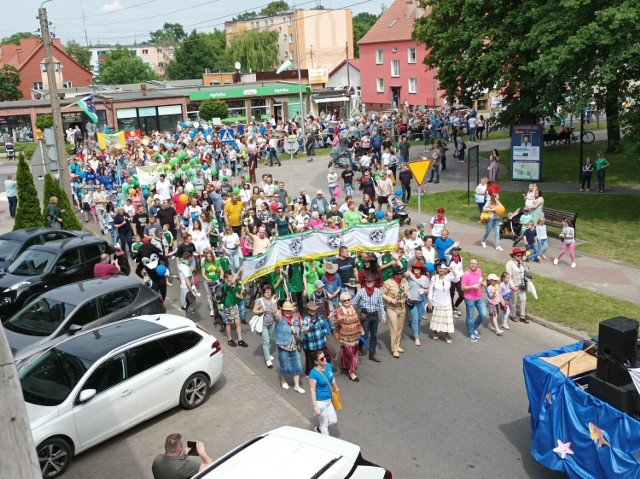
{"x": 510, "y": 226}
{"x": 11, "y": 152}
{"x": 399, "y": 210}
{"x": 339, "y": 157}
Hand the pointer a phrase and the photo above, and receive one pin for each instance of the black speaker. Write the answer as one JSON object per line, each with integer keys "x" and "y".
{"x": 624, "y": 398}
{"x": 617, "y": 348}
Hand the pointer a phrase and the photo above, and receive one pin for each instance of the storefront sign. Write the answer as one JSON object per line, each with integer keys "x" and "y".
{"x": 227, "y": 93}
{"x": 318, "y": 75}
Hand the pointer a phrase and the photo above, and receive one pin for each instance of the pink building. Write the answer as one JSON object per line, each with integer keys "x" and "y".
{"x": 391, "y": 62}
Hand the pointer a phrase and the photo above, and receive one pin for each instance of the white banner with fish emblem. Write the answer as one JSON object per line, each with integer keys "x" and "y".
{"x": 316, "y": 244}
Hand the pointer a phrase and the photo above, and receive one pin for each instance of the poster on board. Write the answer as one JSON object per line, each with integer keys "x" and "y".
{"x": 526, "y": 153}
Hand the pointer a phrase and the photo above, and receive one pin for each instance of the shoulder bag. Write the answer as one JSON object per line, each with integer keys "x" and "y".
{"x": 336, "y": 400}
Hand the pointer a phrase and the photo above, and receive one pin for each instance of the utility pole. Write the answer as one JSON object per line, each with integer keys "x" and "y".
{"x": 63, "y": 170}
{"x": 346, "y": 49}
{"x": 302, "y": 106}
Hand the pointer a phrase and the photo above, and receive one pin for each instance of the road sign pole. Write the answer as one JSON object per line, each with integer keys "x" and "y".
{"x": 291, "y": 168}
{"x": 419, "y": 203}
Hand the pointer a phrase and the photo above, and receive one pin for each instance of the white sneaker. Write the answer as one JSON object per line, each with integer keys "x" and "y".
{"x": 285, "y": 385}
{"x": 300, "y": 390}
{"x": 573, "y": 265}
{"x": 499, "y": 248}
{"x": 555, "y": 261}
{"x": 270, "y": 365}
{"x": 484, "y": 245}
{"x": 271, "y": 358}
{"x": 211, "y": 313}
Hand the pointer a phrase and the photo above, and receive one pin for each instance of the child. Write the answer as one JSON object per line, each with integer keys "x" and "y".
{"x": 568, "y": 243}
{"x": 135, "y": 246}
{"x": 541, "y": 232}
{"x": 506, "y": 289}
{"x": 167, "y": 240}
{"x": 525, "y": 218}
{"x": 232, "y": 291}
{"x": 495, "y": 302}
{"x": 530, "y": 236}
{"x": 86, "y": 203}
{"x": 587, "y": 171}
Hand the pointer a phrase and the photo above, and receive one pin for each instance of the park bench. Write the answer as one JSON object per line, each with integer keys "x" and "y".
{"x": 554, "y": 217}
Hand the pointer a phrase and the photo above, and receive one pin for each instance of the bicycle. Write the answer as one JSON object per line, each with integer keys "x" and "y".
{"x": 587, "y": 136}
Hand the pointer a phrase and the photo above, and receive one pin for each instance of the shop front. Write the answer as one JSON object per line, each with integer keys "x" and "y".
{"x": 149, "y": 119}
{"x": 16, "y": 126}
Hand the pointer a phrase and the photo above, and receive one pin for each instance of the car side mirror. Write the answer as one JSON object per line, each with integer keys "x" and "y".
{"x": 86, "y": 395}
{"x": 60, "y": 269}
{"x": 73, "y": 329}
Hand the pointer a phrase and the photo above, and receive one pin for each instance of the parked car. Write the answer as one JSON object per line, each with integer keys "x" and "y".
{"x": 62, "y": 312}
{"x": 101, "y": 382}
{"x": 47, "y": 266}
{"x": 15, "y": 242}
{"x": 290, "y": 452}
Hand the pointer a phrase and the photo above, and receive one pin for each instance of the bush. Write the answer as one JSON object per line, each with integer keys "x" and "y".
{"x": 44, "y": 121}
{"x": 52, "y": 188}
{"x": 28, "y": 212}
{"x": 213, "y": 109}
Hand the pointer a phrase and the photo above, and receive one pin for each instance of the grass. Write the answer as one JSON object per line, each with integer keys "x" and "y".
{"x": 560, "y": 164}
{"x": 606, "y": 225}
{"x": 566, "y": 304}
{"x": 20, "y": 147}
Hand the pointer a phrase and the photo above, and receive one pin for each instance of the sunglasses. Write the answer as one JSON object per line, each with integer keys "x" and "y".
{"x": 322, "y": 358}
{"x": 346, "y": 300}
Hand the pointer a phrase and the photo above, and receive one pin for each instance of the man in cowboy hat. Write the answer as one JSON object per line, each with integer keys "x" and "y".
{"x": 517, "y": 270}
{"x": 332, "y": 282}
{"x": 371, "y": 305}
{"x": 394, "y": 293}
{"x": 315, "y": 332}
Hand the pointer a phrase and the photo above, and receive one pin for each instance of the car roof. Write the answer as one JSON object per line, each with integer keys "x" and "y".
{"x": 76, "y": 293}
{"x": 26, "y": 233}
{"x": 67, "y": 243}
{"x": 287, "y": 452}
{"x": 95, "y": 343}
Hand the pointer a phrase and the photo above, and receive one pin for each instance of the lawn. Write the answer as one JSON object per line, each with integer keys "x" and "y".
{"x": 606, "y": 226}
{"x": 560, "y": 164}
{"x": 566, "y": 304}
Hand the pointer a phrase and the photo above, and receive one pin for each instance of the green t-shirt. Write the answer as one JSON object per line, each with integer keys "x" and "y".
{"x": 312, "y": 273}
{"x": 282, "y": 225}
{"x": 601, "y": 163}
{"x": 230, "y": 292}
{"x": 136, "y": 246}
{"x": 212, "y": 269}
{"x": 224, "y": 264}
{"x": 296, "y": 285}
{"x": 213, "y": 237}
{"x": 279, "y": 291}
{"x": 351, "y": 217}
{"x": 386, "y": 259}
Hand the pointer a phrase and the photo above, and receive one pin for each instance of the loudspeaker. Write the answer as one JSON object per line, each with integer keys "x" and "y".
{"x": 617, "y": 347}
{"x": 624, "y": 398}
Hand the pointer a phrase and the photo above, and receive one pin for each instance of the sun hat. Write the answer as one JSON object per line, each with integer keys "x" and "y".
{"x": 441, "y": 211}
{"x": 397, "y": 269}
{"x": 352, "y": 282}
{"x": 311, "y": 306}
{"x": 288, "y": 306}
{"x": 369, "y": 278}
{"x": 516, "y": 251}
{"x": 493, "y": 277}
{"x": 420, "y": 265}
{"x": 330, "y": 267}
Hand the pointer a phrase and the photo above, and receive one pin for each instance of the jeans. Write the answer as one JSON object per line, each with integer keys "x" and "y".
{"x": 543, "y": 247}
{"x": 370, "y": 326}
{"x": 492, "y": 224}
{"x": 415, "y": 315}
{"x": 406, "y": 193}
{"x": 472, "y": 325}
{"x": 348, "y": 189}
{"x": 126, "y": 240}
{"x": 435, "y": 171}
{"x": 273, "y": 155}
{"x": 600, "y": 173}
{"x": 234, "y": 256}
{"x": 13, "y": 203}
{"x": 267, "y": 337}
{"x": 472, "y": 134}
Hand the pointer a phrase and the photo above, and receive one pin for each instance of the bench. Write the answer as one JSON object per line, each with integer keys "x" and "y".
{"x": 554, "y": 217}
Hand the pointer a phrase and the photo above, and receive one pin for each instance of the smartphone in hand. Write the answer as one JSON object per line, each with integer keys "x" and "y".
{"x": 193, "y": 451}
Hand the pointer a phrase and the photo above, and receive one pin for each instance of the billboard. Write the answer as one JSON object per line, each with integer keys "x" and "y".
{"x": 526, "y": 153}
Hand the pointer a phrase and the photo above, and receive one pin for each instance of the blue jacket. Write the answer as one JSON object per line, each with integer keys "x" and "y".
{"x": 283, "y": 331}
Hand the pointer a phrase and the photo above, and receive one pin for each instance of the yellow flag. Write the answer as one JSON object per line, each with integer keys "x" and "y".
{"x": 105, "y": 141}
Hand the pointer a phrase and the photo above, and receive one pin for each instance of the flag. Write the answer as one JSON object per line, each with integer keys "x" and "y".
{"x": 285, "y": 66}
{"x": 106, "y": 141}
{"x": 87, "y": 106}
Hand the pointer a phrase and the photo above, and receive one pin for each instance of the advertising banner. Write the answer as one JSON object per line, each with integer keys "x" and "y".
{"x": 526, "y": 153}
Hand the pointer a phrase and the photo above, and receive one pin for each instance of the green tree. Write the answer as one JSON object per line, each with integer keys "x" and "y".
{"x": 52, "y": 188}
{"x": 362, "y": 23}
{"x": 274, "y": 8}
{"x": 256, "y": 50}
{"x": 123, "y": 66}
{"x": 9, "y": 84}
{"x": 44, "y": 121}
{"x": 79, "y": 53}
{"x": 213, "y": 109}
{"x": 169, "y": 34}
{"x": 199, "y": 51}
{"x": 28, "y": 212}
{"x": 244, "y": 16}
{"x": 16, "y": 37}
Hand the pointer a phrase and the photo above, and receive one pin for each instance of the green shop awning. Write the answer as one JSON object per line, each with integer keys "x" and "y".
{"x": 247, "y": 91}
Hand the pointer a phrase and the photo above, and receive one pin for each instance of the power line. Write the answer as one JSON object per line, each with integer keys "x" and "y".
{"x": 105, "y": 13}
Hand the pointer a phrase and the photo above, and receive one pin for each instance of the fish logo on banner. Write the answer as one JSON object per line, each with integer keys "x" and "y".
{"x": 377, "y": 236}
{"x": 295, "y": 246}
{"x": 334, "y": 241}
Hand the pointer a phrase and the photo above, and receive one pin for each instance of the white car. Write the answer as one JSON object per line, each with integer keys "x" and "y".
{"x": 293, "y": 453}
{"x": 97, "y": 384}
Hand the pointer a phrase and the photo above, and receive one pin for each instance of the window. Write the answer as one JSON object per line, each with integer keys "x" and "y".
{"x": 395, "y": 68}
{"x": 289, "y": 21}
{"x": 67, "y": 84}
{"x": 87, "y": 313}
{"x": 379, "y": 56}
{"x": 290, "y": 38}
{"x": 41, "y": 317}
{"x": 285, "y": 37}
{"x": 170, "y": 51}
{"x": 380, "y": 85}
{"x": 38, "y": 85}
{"x": 148, "y": 355}
{"x": 159, "y": 51}
{"x": 145, "y": 51}
{"x": 411, "y": 55}
{"x": 109, "y": 374}
{"x": 91, "y": 252}
{"x": 116, "y": 300}
{"x": 161, "y": 64}
{"x": 413, "y": 85}
{"x": 179, "y": 343}
{"x": 70, "y": 259}
{"x": 259, "y": 108}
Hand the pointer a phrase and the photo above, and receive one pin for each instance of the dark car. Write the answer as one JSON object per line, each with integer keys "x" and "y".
{"x": 15, "y": 242}
{"x": 62, "y": 312}
{"x": 47, "y": 266}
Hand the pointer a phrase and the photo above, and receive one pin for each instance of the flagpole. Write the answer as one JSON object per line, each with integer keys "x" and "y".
{"x": 75, "y": 103}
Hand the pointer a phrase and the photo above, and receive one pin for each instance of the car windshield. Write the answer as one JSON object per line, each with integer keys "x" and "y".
{"x": 8, "y": 249}
{"x": 40, "y": 318}
{"x": 49, "y": 379}
{"x": 32, "y": 263}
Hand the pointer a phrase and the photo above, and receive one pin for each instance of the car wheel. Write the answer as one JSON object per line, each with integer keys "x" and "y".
{"x": 194, "y": 391}
{"x": 54, "y": 456}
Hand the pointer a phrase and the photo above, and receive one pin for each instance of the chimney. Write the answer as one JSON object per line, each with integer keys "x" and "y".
{"x": 143, "y": 89}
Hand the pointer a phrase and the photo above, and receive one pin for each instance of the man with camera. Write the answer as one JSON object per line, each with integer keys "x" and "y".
{"x": 175, "y": 462}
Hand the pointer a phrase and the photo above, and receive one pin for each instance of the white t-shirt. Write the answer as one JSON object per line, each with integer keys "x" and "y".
{"x": 437, "y": 225}
{"x": 184, "y": 271}
{"x": 163, "y": 189}
{"x": 231, "y": 241}
{"x": 472, "y": 122}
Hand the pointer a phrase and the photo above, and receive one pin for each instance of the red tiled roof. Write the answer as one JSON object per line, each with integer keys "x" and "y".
{"x": 395, "y": 24}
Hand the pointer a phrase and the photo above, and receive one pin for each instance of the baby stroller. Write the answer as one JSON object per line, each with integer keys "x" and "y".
{"x": 510, "y": 226}
{"x": 339, "y": 157}
{"x": 399, "y": 210}
{"x": 11, "y": 152}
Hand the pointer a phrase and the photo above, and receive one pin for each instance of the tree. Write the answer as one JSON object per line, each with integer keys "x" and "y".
{"x": 362, "y": 23}
{"x": 79, "y": 53}
{"x": 274, "y": 8}
{"x": 256, "y": 50}
{"x": 9, "y": 84}
{"x": 199, "y": 51}
{"x": 28, "y": 212}
{"x": 169, "y": 34}
{"x": 44, "y": 121}
{"x": 16, "y": 37}
{"x": 244, "y": 16}
{"x": 52, "y": 188}
{"x": 123, "y": 66}
{"x": 213, "y": 109}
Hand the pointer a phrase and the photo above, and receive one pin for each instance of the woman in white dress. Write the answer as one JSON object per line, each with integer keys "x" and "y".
{"x": 440, "y": 301}
{"x": 200, "y": 237}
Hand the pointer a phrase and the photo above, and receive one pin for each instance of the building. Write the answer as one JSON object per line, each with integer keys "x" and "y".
{"x": 393, "y": 62}
{"x": 344, "y": 81}
{"x": 155, "y": 56}
{"x": 325, "y": 37}
{"x": 28, "y": 59}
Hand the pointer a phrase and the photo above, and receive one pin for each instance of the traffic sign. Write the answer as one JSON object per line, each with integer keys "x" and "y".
{"x": 291, "y": 145}
{"x": 227, "y": 136}
{"x": 419, "y": 169}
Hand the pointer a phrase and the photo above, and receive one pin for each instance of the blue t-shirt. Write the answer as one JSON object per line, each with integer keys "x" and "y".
{"x": 323, "y": 390}
{"x": 442, "y": 245}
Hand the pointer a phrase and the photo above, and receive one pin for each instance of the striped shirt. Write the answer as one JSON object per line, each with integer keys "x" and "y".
{"x": 370, "y": 303}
